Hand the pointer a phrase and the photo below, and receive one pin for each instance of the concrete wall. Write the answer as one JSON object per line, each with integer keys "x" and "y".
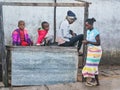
{"x": 33, "y": 16}
{"x": 106, "y": 13}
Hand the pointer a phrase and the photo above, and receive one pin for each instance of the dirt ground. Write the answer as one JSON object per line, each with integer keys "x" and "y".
{"x": 109, "y": 80}
{"x": 105, "y": 71}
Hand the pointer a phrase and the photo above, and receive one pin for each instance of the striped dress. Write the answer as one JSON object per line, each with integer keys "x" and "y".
{"x": 93, "y": 56}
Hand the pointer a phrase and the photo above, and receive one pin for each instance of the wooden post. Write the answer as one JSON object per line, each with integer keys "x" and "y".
{"x": 85, "y": 34}
{"x": 2, "y": 50}
{"x": 55, "y": 1}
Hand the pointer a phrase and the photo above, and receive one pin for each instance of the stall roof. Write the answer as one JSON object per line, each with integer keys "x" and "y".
{"x": 58, "y": 4}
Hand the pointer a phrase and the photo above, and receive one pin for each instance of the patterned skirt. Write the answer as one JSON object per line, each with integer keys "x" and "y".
{"x": 94, "y": 54}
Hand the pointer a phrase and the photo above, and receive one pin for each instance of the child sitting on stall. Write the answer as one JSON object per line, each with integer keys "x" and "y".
{"x": 20, "y": 35}
{"x": 42, "y": 32}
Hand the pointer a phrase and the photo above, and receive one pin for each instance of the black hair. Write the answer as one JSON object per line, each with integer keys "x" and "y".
{"x": 44, "y": 22}
{"x": 20, "y": 22}
{"x": 90, "y": 21}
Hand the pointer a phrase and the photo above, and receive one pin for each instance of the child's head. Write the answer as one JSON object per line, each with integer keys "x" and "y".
{"x": 21, "y": 24}
{"x": 45, "y": 25}
{"x": 89, "y": 23}
{"x": 71, "y": 17}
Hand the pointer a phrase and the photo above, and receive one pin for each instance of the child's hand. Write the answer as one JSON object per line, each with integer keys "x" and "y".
{"x": 85, "y": 42}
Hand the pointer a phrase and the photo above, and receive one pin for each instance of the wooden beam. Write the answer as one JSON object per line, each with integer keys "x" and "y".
{"x": 82, "y": 4}
{"x": 86, "y": 14}
{"x": 2, "y": 50}
{"x": 70, "y": 4}
{"x": 55, "y": 1}
{"x": 83, "y": 1}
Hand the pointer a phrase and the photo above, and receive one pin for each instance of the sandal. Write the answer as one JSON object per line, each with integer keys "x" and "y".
{"x": 88, "y": 84}
{"x": 92, "y": 83}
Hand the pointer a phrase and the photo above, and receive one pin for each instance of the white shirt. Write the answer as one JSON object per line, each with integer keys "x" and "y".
{"x": 63, "y": 31}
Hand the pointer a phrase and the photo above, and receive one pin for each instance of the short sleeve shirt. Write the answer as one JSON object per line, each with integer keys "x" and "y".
{"x": 91, "y": 35}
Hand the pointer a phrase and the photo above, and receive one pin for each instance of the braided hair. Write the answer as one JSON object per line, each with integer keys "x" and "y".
{"x": 90, "y": 21}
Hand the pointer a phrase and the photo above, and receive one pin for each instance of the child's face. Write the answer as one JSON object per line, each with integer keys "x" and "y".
{"x": 46, "y": 26}
{"x": 88, "y": 26}
{"x": 71, "y": 21}
{"x": 21, "y": 25}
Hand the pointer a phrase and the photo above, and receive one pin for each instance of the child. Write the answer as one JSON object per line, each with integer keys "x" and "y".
{"x": 94, "y": 53}
{"x": 42, "y": 32}
{"x": 65, "y": 36}
{"x": 20, "y": 36}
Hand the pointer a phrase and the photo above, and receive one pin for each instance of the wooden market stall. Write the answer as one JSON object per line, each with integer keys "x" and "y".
{"x": 11, "y": 50}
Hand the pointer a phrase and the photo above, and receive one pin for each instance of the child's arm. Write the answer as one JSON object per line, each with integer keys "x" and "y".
{"x": 15, "y": 38}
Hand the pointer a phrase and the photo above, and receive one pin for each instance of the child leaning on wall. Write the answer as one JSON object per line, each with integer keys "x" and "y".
{"x": 42, "y": 32}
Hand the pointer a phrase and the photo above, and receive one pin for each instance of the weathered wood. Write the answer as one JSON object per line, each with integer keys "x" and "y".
{"x": 82, "y": 4}
{"x": 83, "y": 1}
{"x": 2, "y": 50}
{"x": 70, "y": 4}
{"x": 85, "y": 31}
{"x": 43, "y": 65}
{"x": 85, "y": 34}
{"x": 0, "y": 44}
{"x": 55, "y": 1}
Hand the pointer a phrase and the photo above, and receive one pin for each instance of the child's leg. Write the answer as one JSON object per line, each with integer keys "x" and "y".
{"x": 93, "y": 80}
{"x": 88, "y": 83}
{"x": 97, "y": 80}
{"x": 83, "y": 79}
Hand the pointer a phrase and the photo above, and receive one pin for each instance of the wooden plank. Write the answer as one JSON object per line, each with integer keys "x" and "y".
{"x": 44, "y": 4}
{"x": 86, "y": 13}
{"x": 85, "y": 31}
{"x": 2, "y": 50}
{"x": 55, "y": 1}
{"x": 70, "y": 4}
{"x": 43, "y": 65}
{"x": 83, "y": 1}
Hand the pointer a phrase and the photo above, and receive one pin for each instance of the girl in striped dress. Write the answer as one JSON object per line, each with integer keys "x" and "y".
{"x": 94, "y": 52}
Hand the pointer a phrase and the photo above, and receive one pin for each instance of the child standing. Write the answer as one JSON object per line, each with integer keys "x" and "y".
{"x": 20, "y": 36}
{"x": 94, "y": 53}
{"x": 42, "y": 32}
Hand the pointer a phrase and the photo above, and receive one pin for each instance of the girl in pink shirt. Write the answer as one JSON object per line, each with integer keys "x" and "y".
{"x": 42, "y": 32}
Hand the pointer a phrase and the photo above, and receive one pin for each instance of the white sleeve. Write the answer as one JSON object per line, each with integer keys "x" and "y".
{"x": 64, "y": 31}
